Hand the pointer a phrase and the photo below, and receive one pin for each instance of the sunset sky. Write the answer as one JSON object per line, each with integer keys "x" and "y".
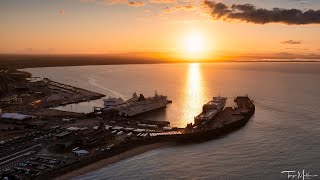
{"x": 171, "y": 26}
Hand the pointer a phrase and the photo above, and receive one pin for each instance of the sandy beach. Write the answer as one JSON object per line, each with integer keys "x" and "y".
{"x": 105, "y": 162}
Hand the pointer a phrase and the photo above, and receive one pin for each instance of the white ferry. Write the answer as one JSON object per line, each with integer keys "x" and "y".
{"x": 113, "y": 102}
{"x": 211, "y": 109}
{"x": 137, "y": 105}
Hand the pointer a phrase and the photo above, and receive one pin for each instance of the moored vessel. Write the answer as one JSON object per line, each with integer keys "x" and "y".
{"x": 211, "y": 109}
{"x": 136, "y": 104}
{"x": 113, "y": 102}
{"x": 139, "y": 104}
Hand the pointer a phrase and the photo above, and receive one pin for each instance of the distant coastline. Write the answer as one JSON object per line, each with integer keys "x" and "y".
{"x": 19, "y": 61}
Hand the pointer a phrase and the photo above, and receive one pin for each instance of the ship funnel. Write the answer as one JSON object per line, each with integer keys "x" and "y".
{"x": 134, "y": 95}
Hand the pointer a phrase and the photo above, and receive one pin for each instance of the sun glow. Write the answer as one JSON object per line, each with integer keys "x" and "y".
{"x": 194, "y": 46}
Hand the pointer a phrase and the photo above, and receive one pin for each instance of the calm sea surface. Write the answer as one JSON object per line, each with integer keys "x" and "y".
{"x": 284, "y": 133}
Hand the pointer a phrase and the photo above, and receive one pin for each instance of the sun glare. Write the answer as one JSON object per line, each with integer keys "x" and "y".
{"x": 194, "y": 46}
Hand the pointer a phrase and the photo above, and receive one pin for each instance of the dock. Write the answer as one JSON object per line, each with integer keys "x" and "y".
{"x": 228, "y": 120}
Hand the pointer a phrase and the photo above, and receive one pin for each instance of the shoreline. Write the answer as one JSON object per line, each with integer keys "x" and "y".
{"x": 111, "y": 160}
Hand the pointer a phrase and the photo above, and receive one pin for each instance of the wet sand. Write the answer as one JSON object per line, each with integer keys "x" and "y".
{"x": 105, "y": 162}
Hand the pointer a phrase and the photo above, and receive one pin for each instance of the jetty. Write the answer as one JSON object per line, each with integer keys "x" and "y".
{"x": 226, "y": 121}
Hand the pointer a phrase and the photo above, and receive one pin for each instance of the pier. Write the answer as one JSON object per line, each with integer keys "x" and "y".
{"x": 228, "y": 120}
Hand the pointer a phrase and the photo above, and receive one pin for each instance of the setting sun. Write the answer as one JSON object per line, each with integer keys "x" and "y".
{"x": 194, "y": 46}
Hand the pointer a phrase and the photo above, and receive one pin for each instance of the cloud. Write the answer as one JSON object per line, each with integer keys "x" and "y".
{"x": 136, "y": 3}
{"x": 298, "y": 49}
{"x": 163, "y": 1}
{"x": 291, "y": 42}
{"x": 178, "y": 8}
{"x": 249, "y": 13}
{"x": 112, "y": 2}
{"x": 61, "y": 12}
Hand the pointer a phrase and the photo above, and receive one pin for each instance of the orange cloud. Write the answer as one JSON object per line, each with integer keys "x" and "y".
{"x": 110, "y": 2}
{"x": 291, "y": 42}
{"x": 178, "y": 8}
{"x": 163, "y": 1}
{"x": 136, "y": 3}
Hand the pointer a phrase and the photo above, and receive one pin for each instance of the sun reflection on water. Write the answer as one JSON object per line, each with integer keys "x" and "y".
{"x": 194, "y": 93}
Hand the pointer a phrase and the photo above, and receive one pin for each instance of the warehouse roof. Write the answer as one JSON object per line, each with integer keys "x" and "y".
{"x": 15, "y": 116}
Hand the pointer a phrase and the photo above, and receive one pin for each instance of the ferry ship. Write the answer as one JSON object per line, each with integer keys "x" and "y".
{"x": 139, "y": 104}
{"x": 113, "y": 102}
{"x": 211, "y": 109}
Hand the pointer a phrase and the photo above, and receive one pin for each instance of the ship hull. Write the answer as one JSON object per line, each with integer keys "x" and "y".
{"x": 212, "y": 133}
{"x": 136, "y": 110}
{"x": 159, "y": 109}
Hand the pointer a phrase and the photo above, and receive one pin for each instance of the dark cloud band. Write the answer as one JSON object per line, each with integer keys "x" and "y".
{"x": 291, "y": 42}
{"x": 249, "y": 13}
